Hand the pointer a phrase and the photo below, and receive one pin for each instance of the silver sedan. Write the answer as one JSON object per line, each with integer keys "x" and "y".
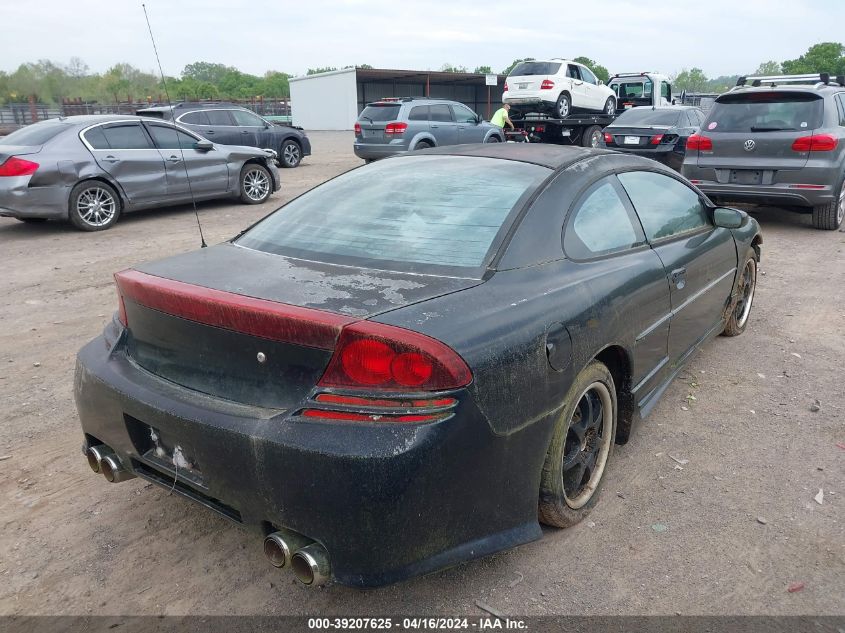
{"x": 90, "y": 169}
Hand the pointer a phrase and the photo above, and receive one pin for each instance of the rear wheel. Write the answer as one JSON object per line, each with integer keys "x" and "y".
{"x": 422, "y": 145}
{"x": 610, "y": 106}
{"x": 591, "y": 137}
{"x": 563, "y": 106}
{"x": 828, "y": 217}
{"x": 290, "y": 154}
{"x": 580, "y": 448}
{"x": 94, "y": 206}
{"x": 492, "y": 139}
{"x": 738, "y": 318}
{"x": 256, "y": 184}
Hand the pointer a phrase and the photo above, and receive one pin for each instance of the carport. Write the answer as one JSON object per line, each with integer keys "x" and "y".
{"x": 333, "y": 100}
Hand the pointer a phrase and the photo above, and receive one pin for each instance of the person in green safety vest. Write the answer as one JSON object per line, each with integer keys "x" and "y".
{"x": 500, "y": 117}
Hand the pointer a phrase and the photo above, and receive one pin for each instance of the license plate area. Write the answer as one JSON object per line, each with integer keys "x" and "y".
{"x": 632, "y": 140}
{"x": 746, "y": 176}
{"x": 371, "y": 133}
{"x": 522, "y": 86}
{"x": 169, "y": 454}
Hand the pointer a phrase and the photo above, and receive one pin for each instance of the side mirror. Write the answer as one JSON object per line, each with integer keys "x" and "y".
{"x": 601, "y": 83}
{"x": 203, "y": 146}
{"x": 478, "y": 119}
{"x": 728, "y": 218}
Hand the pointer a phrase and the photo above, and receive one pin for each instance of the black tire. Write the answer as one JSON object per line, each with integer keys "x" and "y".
{"x": 610, "y": 106}
{"x": 591, "y": 136}
{"x": 93, "y": 206}
{"x": 828, "y": 217}
{"x": 32, "y": 220}
{"x": 422, "y": 145}
{"x": 256, "y": 183}
{"x": 492, "y": 139}
{"x": 290, "y": 154}
{"x": 563, "y": 504}
{"x": 740, "y": 309}
{"x": 563, "y": 106}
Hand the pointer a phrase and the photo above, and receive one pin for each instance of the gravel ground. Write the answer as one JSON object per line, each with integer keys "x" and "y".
{"x": 727, "y": 532}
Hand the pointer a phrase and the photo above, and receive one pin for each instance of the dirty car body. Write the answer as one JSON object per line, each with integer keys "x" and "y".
{"x": 387, "y": 386}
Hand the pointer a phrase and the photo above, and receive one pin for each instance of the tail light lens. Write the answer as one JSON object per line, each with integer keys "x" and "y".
{"x": 699, "y": 142}
{"x": 815, "y": 143}
{"x": 395, "y": 127}
{"x": 374, "y": 355}
{"x": 14, "y": 166}
{"x": 608, "y": 138}
{"x": 655, "y": 140}
{"x": 506, "y": 86}
{"x": 357, "y": 129}
{"x": 547, "y": 84}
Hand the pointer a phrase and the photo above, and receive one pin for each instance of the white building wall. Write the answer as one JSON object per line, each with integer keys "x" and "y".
{"x": 328, "y": 101}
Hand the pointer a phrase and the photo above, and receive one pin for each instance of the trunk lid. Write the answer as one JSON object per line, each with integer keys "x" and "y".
{"x": 643, "y": 134}
{"x": 373, "y": 120}
{"x": 254, "y": 327}
{"x": 7, "y": 151}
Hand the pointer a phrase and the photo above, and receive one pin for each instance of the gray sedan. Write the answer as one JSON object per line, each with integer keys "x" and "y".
{"x": 90, "y": 169}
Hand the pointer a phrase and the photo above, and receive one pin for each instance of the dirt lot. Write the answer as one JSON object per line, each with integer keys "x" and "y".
{"x": 725, "y": 533}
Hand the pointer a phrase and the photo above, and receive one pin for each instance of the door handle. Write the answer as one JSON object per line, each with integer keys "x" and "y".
{"x": 209, "y": 132}
{"x": 434, "y": 127}
{"x": 111, "y": 159}
{"x": 174, "y": 159}
{"x": 678, "y": 277}
{"x": 244, "y": 131}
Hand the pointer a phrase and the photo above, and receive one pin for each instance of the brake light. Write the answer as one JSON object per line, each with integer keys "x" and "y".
{"x": 15, "y": 166}
{"x": 348, "y": 416}
{"x": 375, "y": 355}
{"x": 655, "y": 140}
{"x": 506, "y": 86}
{"x": 357, "y": 129}
{"x": 815, "y": 143}
{"x": 699, "y": 142}
{"x": 359, "y": 401}
{"x": 395, "y": 127}
{"x": 608, "y": 138}
{"x": 547, "y": 84}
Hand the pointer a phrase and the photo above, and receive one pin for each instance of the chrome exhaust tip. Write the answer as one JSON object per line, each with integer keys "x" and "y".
{"x": 282, "y": 544}
{"x": 95, "y": 456}
{"x": 311, "y": 565}
{"x": 113, "y": 470}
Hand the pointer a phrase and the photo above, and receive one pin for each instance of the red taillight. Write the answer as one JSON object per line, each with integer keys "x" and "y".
{"x": 360, "y": 401}
{"x": 608, "y": 138}
{"x": 815, "y": 143}
{"x": 655, "y": 140}
{"x": 348, "y": 416}
{"x": 15, "y": 166}
{"x": 699, "y": 142}
{"x": 506, "y": 86}
{"x": 396, "y": 127}
{"x": 386, "y": 357}
{"x": 357, "y": 129}
{"x": 547, "y": 84}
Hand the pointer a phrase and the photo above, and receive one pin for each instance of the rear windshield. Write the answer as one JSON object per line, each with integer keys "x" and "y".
{"x": 635, "y": 89}
{"x": 534, "y": 68}
{"x": 36, "y": 134}
{"x": 647, "y": 116}
{"x": 417, "y": 214}
{"x": 765, "y": 112}
{"x": 373, "y": 113}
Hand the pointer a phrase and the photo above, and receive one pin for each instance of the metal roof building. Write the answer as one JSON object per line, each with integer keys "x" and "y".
{"x": 333, "y": 100}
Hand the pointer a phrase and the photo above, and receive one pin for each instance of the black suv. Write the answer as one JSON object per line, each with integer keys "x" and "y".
{"x": 229, "y": 124}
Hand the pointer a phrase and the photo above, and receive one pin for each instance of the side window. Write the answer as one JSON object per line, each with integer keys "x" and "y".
{"x": 128, "y": 136}
{"x": 218, "y": 117}
{"x": 245, "y": 118}
{"x": 840, "y": 98}
{"x": 194, "y": 118}
{"x": 463, "y": 114}
{"x": 665, "y": 91}
{"x": 600, "y": 224}
{"x": 587, "y": 75}
{"x": 441, "y": 112}
{"x": 666, "y": 206}
{"x": 572, "y": 71}
{"x": 418, "y": 113}
{"x": 166, "y": 137}
{"x": 96, "y": 138}
{"x": 648, "y": 88}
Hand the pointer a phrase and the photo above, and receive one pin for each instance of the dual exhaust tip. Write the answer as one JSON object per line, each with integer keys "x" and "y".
{"x": 102, "y": 459}
{"x": 308, "y": 560}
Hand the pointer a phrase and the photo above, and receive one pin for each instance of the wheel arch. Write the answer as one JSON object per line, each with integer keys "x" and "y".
{"x": 121, "y": 195}
{"x": 262, "y": 163}
{"x": 618, "y": 361}
{"x": 422, "y": 136}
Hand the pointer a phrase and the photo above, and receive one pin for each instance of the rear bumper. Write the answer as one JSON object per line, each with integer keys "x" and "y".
{"x": 19, "y": 200}
{"x": 372, "y": 151}
{"x": 387, "y": 501}
{"x": 666, "y": 154}
{"x": 775, "y": 195}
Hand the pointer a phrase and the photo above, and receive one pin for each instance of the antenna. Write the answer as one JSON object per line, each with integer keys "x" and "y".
{"x": 178, "y": 138}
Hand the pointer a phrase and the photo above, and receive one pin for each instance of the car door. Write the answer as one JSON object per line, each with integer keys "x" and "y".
{"x": 604, "y": 237}
{"x": 252, "y": 129}
{"x": 594, "y": 95}
{"x": 125, "y": 151}
{"x": 189, "y": 171}
{"x": 221, "y": 128}
{"x": 578, "y": 89}
{"x": 418, "y": 121}
{"x": 442, "y": 124}
{"x": 699, "y": 258}
{"x": 469, "y": 131}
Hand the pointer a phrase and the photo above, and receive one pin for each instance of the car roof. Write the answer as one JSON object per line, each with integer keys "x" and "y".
{"x": 546, "y": 155}
{"x": 93, "y": 119}
{"x": 802, "y": 88}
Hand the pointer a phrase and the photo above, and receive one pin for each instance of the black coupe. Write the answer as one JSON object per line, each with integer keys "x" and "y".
{"x": 411, "y": 364}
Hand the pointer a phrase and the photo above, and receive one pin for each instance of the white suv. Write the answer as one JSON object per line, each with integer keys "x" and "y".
{"x": 559, "y": 86}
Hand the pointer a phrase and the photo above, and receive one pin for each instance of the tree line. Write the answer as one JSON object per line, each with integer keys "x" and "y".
{"x": 50, "y": 81}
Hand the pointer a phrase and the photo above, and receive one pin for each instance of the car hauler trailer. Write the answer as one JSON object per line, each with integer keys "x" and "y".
{"x": 576, "y": 129}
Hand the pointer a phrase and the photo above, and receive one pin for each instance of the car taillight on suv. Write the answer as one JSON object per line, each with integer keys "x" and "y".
{"x": 357, "y": 129}
{"x": 699, "y": 142}
{"x": 815, "y": 143}
{"x": 395, "y": 128}
{"x": 547, "y": 84}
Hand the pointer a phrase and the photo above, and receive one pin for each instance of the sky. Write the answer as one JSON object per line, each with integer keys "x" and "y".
{"x": 723, "y": 37}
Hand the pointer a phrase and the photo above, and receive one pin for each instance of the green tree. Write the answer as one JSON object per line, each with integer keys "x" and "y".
{"x": 826, "y": 57}
{"x": 768, "y": 68}
{"x": 276, "y": 84}
{"x": 364, "y": 66}
{"x": 483, "y": 70}
{"x": 600, "y": 71}
{"x": 206, "y": 72}
{"x": 317, "y": 71}
{"x": 509, "y": 68}
{"x": 692, "y": 80}
{"x": 449, "y": 68}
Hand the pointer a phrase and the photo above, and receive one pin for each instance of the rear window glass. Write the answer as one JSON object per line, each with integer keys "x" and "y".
{"x": 36, "y": 134}
{"x": 375, "y": 113}
{"x": 647, "y": 116}
{"x": 535, "y": 68}
{"x": 765, "y": 112}
{"x": 416, "y": 213}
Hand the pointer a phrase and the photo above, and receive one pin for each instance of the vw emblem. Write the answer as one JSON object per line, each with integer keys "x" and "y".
{"x": 749, "y": 145}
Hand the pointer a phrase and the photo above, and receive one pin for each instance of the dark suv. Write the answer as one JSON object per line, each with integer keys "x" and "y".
{"x": 776, "y": 144}
{"x": 228, "y": 124}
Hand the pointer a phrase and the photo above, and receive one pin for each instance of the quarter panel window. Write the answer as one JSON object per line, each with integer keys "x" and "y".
{"x": 129, "y": 136}
{"x": 218, "y": 117}
{"x": 601, "y": 224}
{"x": 167, "y": 137}
{"x": 96, "y": 138}
{"x": 194, "y": 118}
{"x": 441, "y": 112}
{"x": 666, "y": 206}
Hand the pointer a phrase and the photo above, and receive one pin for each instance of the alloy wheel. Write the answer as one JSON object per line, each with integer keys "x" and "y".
{"x": 291, "y": 154}
{"x": 256, "y": 184}
{"x": 747, "y": 285}
{"x": 840, "y": 211}
{"x": 96, "y": 206}
{"x": 587, "y": 446}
